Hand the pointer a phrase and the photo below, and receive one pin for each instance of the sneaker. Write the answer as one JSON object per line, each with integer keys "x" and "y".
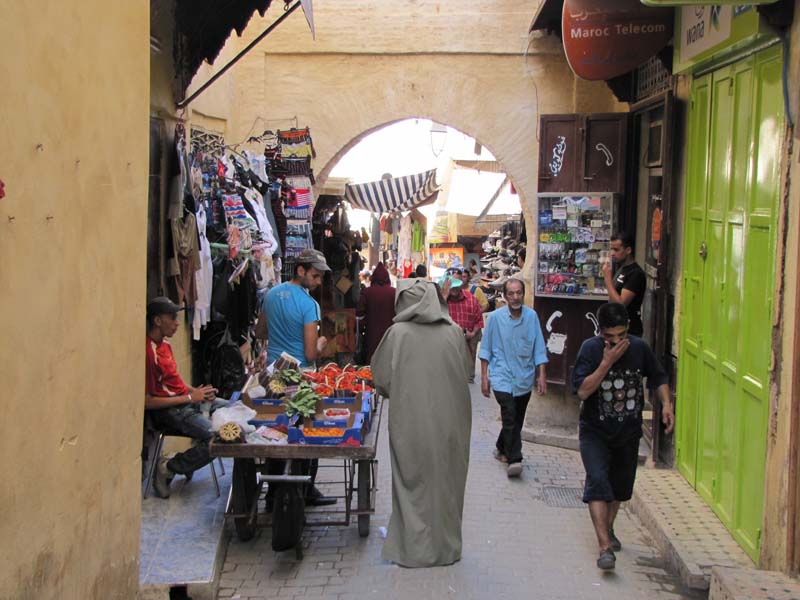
{"x": 163, "y": 478}
{"x": 471, "y": 380}
{"x": 514, "y": 469}
{"x": 607, "y": 560}
{"x": 616, "y": 545}
{"x": 500, "y": 456}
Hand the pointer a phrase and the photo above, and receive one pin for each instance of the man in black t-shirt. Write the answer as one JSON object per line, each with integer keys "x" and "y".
{"x": 628, "y": 284}
{"x": 608, "y": 378}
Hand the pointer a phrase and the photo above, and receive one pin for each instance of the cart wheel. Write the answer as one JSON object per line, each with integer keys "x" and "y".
{"x": 364, "y": 488}
{"x": 243, "y": 495}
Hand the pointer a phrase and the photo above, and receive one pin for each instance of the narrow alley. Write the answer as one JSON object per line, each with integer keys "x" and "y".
{"x": 525, "y": 538}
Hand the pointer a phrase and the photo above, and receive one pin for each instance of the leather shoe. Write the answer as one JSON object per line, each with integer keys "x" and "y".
{"x": 317, "y": 498}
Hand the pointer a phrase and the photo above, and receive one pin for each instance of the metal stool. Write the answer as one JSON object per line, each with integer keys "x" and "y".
{"x": 158, "y": 446}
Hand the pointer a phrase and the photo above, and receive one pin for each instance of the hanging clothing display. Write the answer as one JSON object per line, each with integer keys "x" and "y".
{"x": 204, "y": 277}
{"x": 185, "y": 258}
{"x": 404, "y": 239}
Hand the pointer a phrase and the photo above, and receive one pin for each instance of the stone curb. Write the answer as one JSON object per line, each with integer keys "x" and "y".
{"x": 562, "y": 440}
{"x": 691, "y": 574}
{"x": 568, "y": 442}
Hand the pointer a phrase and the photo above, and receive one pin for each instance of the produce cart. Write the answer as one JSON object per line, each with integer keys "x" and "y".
{"x": 358, "y": 480}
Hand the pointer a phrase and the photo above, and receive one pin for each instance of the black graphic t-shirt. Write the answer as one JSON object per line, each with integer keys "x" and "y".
{"x": 616, "y": 406}
{"x": 631, "y": 277}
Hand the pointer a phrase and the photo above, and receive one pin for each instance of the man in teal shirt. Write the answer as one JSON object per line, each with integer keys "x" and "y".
{"x": 293, "y": 316}
{"x": 513, "y": 357}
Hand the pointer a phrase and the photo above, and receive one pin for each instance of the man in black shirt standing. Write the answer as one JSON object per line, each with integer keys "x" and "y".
{"x": 608, "y": 378}
{"x": 628, "y": 284}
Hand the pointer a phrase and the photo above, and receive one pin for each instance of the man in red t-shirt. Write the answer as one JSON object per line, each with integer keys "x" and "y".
{"x": 173, "y": 405}
{"x": 467, "y": 314}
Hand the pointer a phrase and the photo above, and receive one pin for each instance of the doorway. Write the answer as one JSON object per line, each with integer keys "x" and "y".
{"x": 732, "y": 197}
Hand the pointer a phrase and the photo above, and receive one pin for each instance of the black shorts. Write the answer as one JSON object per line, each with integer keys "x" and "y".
{"x": 610, "y": 467}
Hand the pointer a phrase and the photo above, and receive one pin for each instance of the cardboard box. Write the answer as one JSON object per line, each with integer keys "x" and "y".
{"x": 352, "y": 436}
{"x": 271, "y": 412}
{"x": 359, "y": 403}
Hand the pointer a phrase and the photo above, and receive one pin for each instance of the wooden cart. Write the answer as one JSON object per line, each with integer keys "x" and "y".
{"x": 250, "y": 473}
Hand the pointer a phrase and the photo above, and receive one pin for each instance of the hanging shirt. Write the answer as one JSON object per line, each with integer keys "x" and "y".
{"x": 204, "y": 277}
{"x": 513, "y": 348}
{"x": 417, "y": 238}
{"x": 161, "y": 371}
{"x": 289, "y": 308}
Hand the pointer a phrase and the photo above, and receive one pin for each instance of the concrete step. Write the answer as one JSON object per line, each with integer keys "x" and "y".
{"x": 751, "y": 584}
{"x": 183, "y": 538}
{"x": 684, "y": 528}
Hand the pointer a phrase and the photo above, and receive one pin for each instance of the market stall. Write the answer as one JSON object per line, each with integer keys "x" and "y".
{"x": 297, "y": 416}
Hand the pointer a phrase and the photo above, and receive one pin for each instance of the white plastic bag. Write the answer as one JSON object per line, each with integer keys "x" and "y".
{"x": 235, "y": 413}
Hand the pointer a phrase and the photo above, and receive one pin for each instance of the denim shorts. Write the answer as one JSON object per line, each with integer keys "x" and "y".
{"x": 610, "y": 466}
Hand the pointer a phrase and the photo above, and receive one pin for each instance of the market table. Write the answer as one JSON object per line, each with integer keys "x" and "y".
{"x": 250, "y": 473}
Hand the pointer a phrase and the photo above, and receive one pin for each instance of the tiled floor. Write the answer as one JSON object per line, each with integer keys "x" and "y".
{"x": 729, "y": 583}
{"x": 181, "y": 536}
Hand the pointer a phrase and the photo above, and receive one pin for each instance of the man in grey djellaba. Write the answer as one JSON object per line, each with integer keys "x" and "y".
{"x": 420, "y": 365}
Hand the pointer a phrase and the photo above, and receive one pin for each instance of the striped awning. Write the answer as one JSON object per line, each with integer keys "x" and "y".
{"x": 394, "y": 194}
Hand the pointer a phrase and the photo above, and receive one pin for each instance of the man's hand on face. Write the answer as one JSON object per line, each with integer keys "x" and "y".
{"x": 485, "y": 386}
{"x": 611, "y": 354}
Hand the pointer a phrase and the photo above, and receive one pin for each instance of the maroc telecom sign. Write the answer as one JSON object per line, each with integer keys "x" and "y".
{"x": 602, "y": 41}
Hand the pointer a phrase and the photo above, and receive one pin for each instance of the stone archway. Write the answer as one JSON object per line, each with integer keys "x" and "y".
{"x": 324, "y": 173}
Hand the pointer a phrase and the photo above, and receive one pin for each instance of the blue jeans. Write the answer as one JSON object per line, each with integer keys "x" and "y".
{"x": 187, "y": 420}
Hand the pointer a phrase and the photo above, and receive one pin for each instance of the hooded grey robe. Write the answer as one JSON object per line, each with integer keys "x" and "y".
{"x": 420, "y": 366}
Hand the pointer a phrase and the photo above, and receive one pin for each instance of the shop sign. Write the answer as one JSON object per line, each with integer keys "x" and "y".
{"x": 603, "y": 42}
{"x": 703, "y": 27}
{"x": 703, "y": 32}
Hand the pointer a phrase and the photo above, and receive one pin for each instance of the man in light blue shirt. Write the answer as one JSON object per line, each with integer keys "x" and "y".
{"x": 513, "y": 354}
{"x": 292, "y": 315}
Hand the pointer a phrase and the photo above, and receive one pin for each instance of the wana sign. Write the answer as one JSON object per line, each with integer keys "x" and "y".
{"x": 603, "y": 42}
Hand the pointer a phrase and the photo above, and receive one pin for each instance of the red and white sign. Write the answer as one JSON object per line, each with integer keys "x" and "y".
{"x": 603, "y": 42}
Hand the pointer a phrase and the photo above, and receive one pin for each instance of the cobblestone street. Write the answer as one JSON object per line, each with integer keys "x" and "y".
{"x": 521, "y": 540}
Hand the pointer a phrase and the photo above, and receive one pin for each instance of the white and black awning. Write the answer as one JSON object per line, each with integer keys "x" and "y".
{"x": 395, "y": 194}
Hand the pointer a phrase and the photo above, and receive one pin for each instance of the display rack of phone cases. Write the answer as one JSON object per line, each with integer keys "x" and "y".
{"x": 574, "y": 236}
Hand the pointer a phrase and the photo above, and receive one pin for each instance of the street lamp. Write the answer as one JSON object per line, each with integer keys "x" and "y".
{"x": 438, "y": 138}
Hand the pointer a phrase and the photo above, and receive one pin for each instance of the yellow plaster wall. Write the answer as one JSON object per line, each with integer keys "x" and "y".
{"x": 72, "y": 239}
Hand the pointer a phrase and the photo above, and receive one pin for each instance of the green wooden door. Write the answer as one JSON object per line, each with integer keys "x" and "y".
{"x": 732, "y": 199}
